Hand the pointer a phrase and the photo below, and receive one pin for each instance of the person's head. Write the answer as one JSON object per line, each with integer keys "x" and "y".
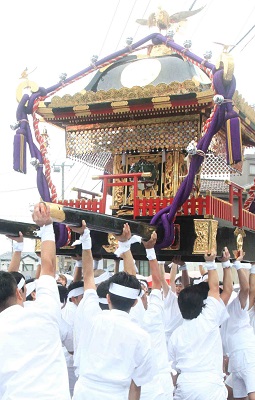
{"x": 63, "y": 293}
{"x": 178, "y": 286}
{"x": 123, "y": 291}
{"x": 144, "y": 293}
{"x": 102, "y": 291}
{"x": 21, "y": 283}
{"x": 62, "y": 279}
{"x": 31, "y": 289}
{"x": 203, "y": 289}
{"x": 75, "y": 292}
{"x": 9, "y": 292}
{"x": 100, "y": 275}
{"x": 190, "y": 302}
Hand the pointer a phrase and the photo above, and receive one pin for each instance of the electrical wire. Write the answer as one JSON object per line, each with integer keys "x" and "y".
{"x": 17, "y": 190}
{"x": 145, "y": 11}
{"x": 248, "y": 43}
{"x": 240, "y": 41}
{"x": 204, "y": 12}
{"x": 109, "y": 28}
{"x": 125, "y": 26}
{"x": 244, "y": 25}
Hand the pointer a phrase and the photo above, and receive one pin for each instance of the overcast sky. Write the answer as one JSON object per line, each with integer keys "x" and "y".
{"x": 56, "y": 36}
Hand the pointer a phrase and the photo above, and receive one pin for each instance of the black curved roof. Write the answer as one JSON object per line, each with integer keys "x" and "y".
{"x": 173, "y": 69}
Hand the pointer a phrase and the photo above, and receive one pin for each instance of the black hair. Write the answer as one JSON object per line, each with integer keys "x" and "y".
{"x": 74, "y": 285}
{"x": 102, "y": 291}
{"x": 8, "y": 286}
{"x": 124, "y": 279}
{"x": 203, "y": 289}
{"x": 18, "y": 276}
{"x": 190, "y": 302}
{"x": 63, "y": 292}
{"x": 29, "y": 297}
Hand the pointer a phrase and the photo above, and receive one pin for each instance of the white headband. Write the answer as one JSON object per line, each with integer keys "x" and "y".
{"x": 76, "y": 242}
{"x": 144, "y": 283}
{"x": 124, "y": 291}
{"x": 30, "y": 287}
{"x": 21, "y": 283}
{"x": 103, "y": 300}
{"x": 75, "y": 292}
{"x": 101, "y": 278}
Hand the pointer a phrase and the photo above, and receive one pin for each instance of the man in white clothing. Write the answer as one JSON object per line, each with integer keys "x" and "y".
{"x": 113, "y": 353}
{"x": 152, "y": 321}
{"x": 239, "y": 340}
{"x": 201, "y": 375}
{"x": 32, "y": 360}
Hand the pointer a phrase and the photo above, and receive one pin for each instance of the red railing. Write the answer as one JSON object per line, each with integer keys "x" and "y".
{"x": 90, "y": 205}
{"x": 248, "y": 219}
{"x": 144, "y": 207}
{"x": 219, "y": 208}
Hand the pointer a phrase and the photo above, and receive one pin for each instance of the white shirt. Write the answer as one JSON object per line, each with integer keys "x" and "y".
{"x": 172, "y": 314}
{"x": 196, "y": 346}
{"x": 68, "y": 312}
{"x": 113, "y": 350}
{"x": 32, "y": 361}
{"x": 137, "y": 312}
{"x": 237, "y": 332}
{"x": 252, "y": 317}
{"x": 153, "y": 323}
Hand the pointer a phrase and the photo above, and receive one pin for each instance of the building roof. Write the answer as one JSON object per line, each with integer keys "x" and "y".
{"x": 214, "y": 186}
{"x": 8, "y": 255}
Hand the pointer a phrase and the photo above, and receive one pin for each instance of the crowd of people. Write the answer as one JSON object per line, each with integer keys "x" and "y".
{"x": 109, "y": 337}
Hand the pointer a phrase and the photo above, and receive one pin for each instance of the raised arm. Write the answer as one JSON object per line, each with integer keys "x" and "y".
{"x": 77, "y": 276}
{"x": 243, "y": 279}
{"x": 87, "y": 258}
{"x": 163, "y": 281}
{"x": 173, "y": 273}
{"x": 17, "y": 252}
{"x": 184, "y": 270}
{"x": 213, "y": 278}
{"x": 252, "y": 287}
{"x": 41, "y": 217}
{"x": 153, "y": 262}
{"x": 227, "y": 276}
{"x": 124, "y": 241}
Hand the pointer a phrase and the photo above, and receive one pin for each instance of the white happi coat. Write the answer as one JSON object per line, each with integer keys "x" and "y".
{"x": 196, "y": 350}
{"x": 32, "y": 362}
{"x": 111, "y": 351}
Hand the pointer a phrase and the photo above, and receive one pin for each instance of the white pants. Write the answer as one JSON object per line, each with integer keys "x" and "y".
{"x": 200, "y": 391}
{"x": 88, "y": 390}
{"x": 160, "y": 388}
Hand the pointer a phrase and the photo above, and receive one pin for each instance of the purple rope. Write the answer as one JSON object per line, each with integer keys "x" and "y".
{"x": 167, "y": 215}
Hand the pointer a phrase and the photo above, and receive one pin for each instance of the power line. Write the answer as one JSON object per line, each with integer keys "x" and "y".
{"x": 126, "y": 24}
{"x": 245, "y": 23}
{"x": 242, "y": 38}
{"x": 248, "y": 42}
{"x": 109, "y": 28}
{"x": 17, "y": 190}
{"x": 146, "y": 9}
